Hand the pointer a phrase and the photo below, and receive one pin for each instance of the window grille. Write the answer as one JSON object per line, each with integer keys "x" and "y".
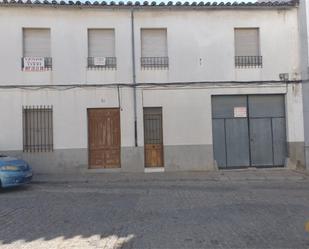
{"x": 154, "y": 62}
{"x": 154, "y": 53}
{"x": 48, "y": 64}
{"x": 101, "y": 45}
{"x": 247, "y": 48}
{"x": 110, "y": 63}
{"x": 248, "y": 61}
{"x": 37, "y": 128}
{"x": 153, "y": 125}
{"x": 36, "y": 45}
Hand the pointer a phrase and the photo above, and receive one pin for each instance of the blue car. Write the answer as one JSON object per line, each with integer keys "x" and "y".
{"x": 14, "y": 172}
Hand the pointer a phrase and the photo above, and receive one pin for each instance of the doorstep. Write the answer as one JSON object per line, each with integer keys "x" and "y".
{"x": 105, "y": 170}
{"x": 154, "y": 170}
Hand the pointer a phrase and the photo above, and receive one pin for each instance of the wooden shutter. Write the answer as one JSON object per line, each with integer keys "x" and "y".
{"x": 247, "y": 42}
{"x": 36, "y": 42}
{"x": 154, "y": 42}
{"x": 101, "y": 43}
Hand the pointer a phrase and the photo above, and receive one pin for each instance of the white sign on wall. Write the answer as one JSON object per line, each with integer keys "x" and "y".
{"x": 99, "y": 61}
{"x": 34, "y": 63}
{"x": 240, "y": 112}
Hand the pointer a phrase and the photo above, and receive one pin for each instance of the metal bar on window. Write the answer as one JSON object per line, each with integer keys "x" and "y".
{"x": 41, "y": 128}
{"x": 24, "y": 129}
{"x": 44, "y": 129}
{"x": 110, "y": 63}
{"x": 37, "y": 129}
{"x": 51, "y": 129}
{"x": 248, "y": 61}
{"x": 153, "y": 129}
{"x": 154, "y": 62}
{"x": 31, "y": 128}
{"x": 47, "y": 128}
{"x": 48, "y": 63}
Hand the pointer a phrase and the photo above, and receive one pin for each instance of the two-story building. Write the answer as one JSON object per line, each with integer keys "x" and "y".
{"x": 132, "y": 86}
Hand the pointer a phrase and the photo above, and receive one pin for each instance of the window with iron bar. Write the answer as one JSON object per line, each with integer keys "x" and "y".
{"x": 101, "y": 49}
{"x": 36, "y": 49}
{"x": 48, "y": 64}
{"x": 248, "y": 61}
{"x": 153, "y": 125}
{"x": 154, "y": 48}
{"x": 247, "y": 48}
{"x": 109, "y": 63}
{"x": 154, "y": 62}
{"x": 37, "y": 128}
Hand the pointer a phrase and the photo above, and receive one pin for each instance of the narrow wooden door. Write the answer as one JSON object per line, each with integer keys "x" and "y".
{"x": 153, "y": 137}
{"x": 104, "y": 138}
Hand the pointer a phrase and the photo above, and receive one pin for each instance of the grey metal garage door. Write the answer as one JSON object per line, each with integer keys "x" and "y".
{"x": 249, "y": 130}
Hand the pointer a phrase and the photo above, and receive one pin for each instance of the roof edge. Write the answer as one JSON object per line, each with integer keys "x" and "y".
{"x": 149, "y": 5}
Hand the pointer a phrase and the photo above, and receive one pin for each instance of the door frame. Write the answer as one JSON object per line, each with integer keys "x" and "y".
{"x": 249, "y": 134}
{"x": 162, "y": 151}
{"x": 88, "y": 134}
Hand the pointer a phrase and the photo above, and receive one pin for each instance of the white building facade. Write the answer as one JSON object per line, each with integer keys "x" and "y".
{"x": 193, "y": 87}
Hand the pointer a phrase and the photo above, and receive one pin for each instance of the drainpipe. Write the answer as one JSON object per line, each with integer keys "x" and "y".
{"x": 134, "y": 76}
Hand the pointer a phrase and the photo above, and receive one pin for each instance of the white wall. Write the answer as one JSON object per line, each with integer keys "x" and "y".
{"x": 200, "y": 48}
{"x": 69, "y": 114}
{"x": 200, "y": 44}
{"x": 69, "y": 45}
{"x": 187, "y": 119}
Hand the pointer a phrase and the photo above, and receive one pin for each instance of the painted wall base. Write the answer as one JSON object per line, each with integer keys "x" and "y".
{"x": 188, "y": 157}
{"x": 297, "y": 154}
{"x": 58, "y": 161}
{"x": 76, "y": 160}
{"x": 307, "y": 157}
{"x": 176, "y": 158}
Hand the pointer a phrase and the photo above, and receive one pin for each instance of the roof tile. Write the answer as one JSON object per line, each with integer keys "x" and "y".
{"x": 154, "y": 4}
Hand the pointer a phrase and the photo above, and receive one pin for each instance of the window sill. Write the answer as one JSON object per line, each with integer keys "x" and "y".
{"x": 147, "y": 68}
{"x": 98, "y": 68}
{"x": 249, "y": 67}
{"x": 37, "y": 71}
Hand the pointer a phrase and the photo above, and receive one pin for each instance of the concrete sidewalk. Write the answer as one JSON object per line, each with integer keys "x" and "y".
{"x": 273, "y": 174}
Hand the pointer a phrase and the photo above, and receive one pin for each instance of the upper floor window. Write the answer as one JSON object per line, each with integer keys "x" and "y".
{"x": 154, "y": 49}
{"x": 247, "y": 47}
{"x": 36, "y": 49}
{"x": 101, "y": 48}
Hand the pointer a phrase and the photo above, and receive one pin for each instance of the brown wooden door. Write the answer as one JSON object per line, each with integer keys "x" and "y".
{"x": 153, "y": 136}
{"x": 104, "y": 138}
